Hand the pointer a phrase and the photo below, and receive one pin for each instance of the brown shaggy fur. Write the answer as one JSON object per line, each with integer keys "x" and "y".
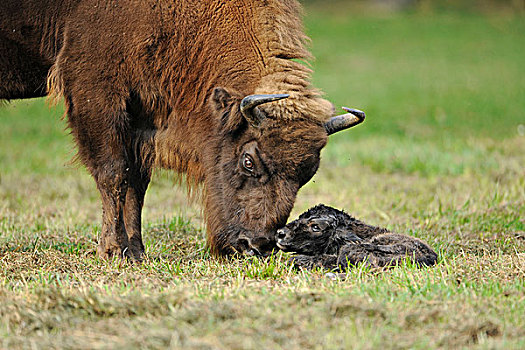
{"x": 158, "y": 83}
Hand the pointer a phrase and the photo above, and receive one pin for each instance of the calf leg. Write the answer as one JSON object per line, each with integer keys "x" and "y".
{"x": 310, "y": 262}
{"x": 387, "y": 250}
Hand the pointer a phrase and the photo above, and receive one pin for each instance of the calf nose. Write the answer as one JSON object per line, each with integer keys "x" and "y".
{"x": 281, "y": 233}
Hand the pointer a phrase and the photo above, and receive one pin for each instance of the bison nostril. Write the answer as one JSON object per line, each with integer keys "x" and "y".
{"x": 281, "y": 234}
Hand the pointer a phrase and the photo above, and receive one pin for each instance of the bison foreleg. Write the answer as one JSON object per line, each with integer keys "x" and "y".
{"x": 139, "y": 181}
{"x": 105, "y": 147}
{"x": 113, "y": 238}
{"x": 123, "y": 196}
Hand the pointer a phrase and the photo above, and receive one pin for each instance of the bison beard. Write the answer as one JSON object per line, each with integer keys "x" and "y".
{"x": 330, "y": 238}
{"x": 209, "y": 89}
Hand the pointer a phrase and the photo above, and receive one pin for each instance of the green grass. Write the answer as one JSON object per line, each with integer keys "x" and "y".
{"x": 440, "y": 157}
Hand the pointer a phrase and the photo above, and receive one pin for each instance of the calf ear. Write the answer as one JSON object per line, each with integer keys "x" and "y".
{"x": 347, "y": 236}
{"x": 225, "y": 106}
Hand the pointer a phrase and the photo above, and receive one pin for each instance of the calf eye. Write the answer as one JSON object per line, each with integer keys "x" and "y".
{"x": 248, "y": 163}
{"x": 315, "y": 228}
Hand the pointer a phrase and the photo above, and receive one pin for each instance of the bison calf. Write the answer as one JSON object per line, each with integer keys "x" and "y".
{"x": 330, "y": 238}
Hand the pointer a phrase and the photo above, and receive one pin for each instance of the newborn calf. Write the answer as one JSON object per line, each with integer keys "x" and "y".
{"x": 330, "y": 238}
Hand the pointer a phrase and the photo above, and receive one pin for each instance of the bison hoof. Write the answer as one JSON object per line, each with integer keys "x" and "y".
{"x": 132, "y": 254}
{"x": 136, "y": 250}
{"x": 135, "y": 255}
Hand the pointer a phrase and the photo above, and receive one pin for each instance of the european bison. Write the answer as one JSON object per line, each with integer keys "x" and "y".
{"x": 184, "y": 85}
{"x": 330, "y": 238}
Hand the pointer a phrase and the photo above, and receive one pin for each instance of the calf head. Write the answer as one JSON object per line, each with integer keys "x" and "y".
{"x": 320, "y": 230}
{"x": 255, "y": 168}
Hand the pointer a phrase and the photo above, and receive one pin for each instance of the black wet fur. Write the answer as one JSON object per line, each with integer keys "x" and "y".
{"x": 327, "y": 237}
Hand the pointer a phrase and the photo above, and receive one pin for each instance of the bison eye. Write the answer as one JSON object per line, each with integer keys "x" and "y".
{"x": 315, "y": 228}
{"x": 248, "y": 163}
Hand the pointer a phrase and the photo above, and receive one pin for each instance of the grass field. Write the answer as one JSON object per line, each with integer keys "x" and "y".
{"x": 441, "y": 156}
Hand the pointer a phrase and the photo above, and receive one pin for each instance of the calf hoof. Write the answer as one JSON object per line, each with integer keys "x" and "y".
{"x": 334, "y": 276}
{"x": 302, "y": 262}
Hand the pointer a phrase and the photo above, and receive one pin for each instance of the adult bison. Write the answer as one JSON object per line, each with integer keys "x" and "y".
{"x": 179, "y": 84}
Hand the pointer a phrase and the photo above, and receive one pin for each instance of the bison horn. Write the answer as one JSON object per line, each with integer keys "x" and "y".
{"x": 248, "y": 107}
{"x": 345, "y": 121}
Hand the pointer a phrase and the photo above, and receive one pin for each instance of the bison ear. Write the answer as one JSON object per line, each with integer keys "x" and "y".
{"x": 222, "y": 102}
{"x": 220, "y": 98}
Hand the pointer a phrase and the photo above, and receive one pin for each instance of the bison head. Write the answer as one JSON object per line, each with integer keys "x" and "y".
{"x": 255, "y": 167}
